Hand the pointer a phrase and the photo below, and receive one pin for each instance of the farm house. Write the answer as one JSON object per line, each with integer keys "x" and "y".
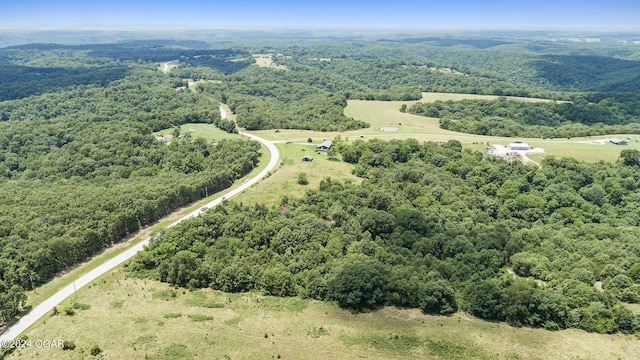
{"x": 326, "y": 145}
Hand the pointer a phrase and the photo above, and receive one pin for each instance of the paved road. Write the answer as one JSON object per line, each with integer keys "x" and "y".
{"x": 43, "y": 308}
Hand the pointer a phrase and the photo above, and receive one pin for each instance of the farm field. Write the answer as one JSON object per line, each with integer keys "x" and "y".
{"x": 265, "y": 60}
{"x": 381, "y": 114}
{"x": 173, "y": 323}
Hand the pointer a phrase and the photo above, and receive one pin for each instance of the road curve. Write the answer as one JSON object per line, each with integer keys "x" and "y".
{"x": 43, "y": 308}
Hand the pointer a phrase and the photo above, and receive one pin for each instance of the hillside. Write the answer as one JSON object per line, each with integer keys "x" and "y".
{"x": 430, "y": 226}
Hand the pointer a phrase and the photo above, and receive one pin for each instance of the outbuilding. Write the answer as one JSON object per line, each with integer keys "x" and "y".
{"x": 326, "y": 145}
{"x": 307, "y": 158}
{"x": 616, "y": 141}
{"x": 518, "y": 146}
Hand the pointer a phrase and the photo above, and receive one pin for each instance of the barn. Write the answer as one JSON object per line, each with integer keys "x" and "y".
{"x": 616, "y": 141}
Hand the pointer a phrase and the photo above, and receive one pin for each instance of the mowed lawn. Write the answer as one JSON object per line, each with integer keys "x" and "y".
{"x": 132, "y": 318}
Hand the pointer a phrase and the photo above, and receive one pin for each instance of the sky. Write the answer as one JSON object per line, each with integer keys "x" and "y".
{"x": 397, "y": 14}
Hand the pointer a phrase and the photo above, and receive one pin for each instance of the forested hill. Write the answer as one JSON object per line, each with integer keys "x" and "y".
{"x": 36, "y": 69}
{"x": 80, "y": 170}
{"x": 589, "y": 73}
{"x": 584, "y": 115}
{"x": 436, "y": 228}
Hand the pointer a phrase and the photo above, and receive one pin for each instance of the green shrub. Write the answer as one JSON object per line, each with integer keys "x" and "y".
{"x": 68, "y": 345}
{"x": 198, "y": 317}
{"x": 172, "y": 315}
{"x": 95, "y": 350}
{"x": 302, "y": 179}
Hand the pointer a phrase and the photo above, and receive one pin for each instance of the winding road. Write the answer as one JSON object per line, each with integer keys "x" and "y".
{"x": 43, "y": 308}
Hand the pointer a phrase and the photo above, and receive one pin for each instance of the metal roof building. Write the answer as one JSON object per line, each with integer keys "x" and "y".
{"x": 617, "y": 141}
{"x": 518, "y": 145}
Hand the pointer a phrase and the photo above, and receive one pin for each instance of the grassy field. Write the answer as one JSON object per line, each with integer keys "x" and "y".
{"x": 265, "y": 60}
{"x": 386, "y": 113}
{"x": 284, "y": 180}
{"x": 207, "y": 131}
{"x": 134, "y": 319}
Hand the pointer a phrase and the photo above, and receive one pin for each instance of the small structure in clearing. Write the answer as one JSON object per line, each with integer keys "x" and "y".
{"x": 513, "y": 151}
{"x": 518, "y": 146}
{"x": 307, "y": 158}
{"x": 165, "y": 138}
{"x": 326, "y": 145}
{"x": 616, "y": 141}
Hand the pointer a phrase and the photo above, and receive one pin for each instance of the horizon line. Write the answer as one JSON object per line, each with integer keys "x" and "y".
{"x": 172, "y": 27}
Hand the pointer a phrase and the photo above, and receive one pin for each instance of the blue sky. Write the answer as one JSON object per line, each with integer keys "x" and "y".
{"x": 426, "y": 14}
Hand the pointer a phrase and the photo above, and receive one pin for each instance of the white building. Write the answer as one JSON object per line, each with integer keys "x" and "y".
{"x": 518, "y": 145}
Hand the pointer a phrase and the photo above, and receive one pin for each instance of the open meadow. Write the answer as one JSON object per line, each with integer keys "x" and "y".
{"x": 381, "y": 114}
{"x": 283, "y": 182}
{"x": 133, "y": 319}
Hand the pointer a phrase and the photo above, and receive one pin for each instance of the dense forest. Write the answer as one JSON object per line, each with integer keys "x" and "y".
{"x": 80, "y": 170}
{"x": 583, "y": 115}
{"x": 436, "y": 228}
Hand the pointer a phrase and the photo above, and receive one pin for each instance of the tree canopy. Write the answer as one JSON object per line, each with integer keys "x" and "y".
{"x": 510, "y": 242}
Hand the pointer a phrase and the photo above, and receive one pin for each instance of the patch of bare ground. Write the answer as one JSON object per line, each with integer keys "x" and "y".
{"x": 598, "y": 286}
{"x": 515, "y": 275}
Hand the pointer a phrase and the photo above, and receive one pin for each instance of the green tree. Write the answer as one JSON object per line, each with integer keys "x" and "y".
{"x": 358, "y": 283}
{"x": 184, "y": 268}
{"x": 277, "y": 281}
{"x": 630, "y": 157}
{"x": 437, "y": 297}
{"x": 332, "y": 152}
{"x": 484, "y": 299}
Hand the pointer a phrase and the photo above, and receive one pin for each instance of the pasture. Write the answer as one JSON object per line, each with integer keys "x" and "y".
{"x": 381, "y": 114}
{"x": 284, "y": 180}
{"x": 133, "y": 318}
{"x": 266, "y": 60}
{"x": 206, "y": 131}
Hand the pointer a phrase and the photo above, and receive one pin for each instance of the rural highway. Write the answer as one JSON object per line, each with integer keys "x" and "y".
{"x": 43, "y": 308}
